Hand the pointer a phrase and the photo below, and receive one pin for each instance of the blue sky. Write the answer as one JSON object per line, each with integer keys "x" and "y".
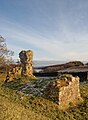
{"x": 53, "y": 29}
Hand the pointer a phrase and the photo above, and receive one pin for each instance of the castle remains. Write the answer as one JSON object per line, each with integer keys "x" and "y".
{"x": 63, "y": 90}
{"x": 26, "y": 58}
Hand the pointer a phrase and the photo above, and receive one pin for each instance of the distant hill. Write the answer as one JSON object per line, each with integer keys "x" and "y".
{"x": 53, "y": 68}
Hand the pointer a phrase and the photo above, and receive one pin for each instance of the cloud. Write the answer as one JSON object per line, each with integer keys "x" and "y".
{"x": 67, "y": 44}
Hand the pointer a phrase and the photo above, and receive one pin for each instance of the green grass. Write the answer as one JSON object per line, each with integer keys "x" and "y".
{"x": 14, "y": 105}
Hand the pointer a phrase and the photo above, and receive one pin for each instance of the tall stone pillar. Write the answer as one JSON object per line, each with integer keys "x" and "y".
{"x": 26, "y": 58}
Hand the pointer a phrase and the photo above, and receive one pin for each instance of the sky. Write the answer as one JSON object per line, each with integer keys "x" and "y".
{"x": 52, "y": 29}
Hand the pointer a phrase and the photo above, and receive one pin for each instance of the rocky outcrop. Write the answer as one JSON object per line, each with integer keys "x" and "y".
{"x": 26, "y": 58}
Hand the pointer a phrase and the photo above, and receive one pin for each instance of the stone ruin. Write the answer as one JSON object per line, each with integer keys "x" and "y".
{"x": 25, "y": 69}
{"x": 13, "y": 72}
{"x": 64, "y": 90}
{"x": 26, "y": 58}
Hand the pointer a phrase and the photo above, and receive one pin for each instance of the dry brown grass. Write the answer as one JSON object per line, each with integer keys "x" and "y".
{"x": 15, "y": 106}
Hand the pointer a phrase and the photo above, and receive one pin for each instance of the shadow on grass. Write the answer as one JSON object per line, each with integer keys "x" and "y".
{"x": 15, "y": 85}
{"x": 19, "y": 84}
{"x": 46, "y": 107}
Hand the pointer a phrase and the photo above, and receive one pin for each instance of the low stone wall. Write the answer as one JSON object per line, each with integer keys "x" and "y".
{"x": 63, "y": 90}
{"x": 70, "y": 92}
{"x": 14, "y": 73}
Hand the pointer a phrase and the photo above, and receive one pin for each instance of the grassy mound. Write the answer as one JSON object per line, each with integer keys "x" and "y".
{"x": 14, "y": 105}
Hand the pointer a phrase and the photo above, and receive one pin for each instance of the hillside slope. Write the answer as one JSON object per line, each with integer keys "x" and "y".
{"x": 14, "y": 105}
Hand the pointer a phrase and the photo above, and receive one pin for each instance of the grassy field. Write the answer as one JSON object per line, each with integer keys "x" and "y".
{"x": 14, "y": 105}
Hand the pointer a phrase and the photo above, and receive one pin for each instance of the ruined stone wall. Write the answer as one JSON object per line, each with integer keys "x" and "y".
{"x": 13, "y": 73}
{"x": 16, "y": 72}
{"x": 25, "y": 69}
{"x": 70, "y": 92}
{"x": 26, "y": 58}
{"x": 63, "y": 90}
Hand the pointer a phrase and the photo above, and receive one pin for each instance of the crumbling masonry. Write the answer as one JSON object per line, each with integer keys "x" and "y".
{"x": 26, "y": 58}
{"x": 63, "y": 90}
{"x": 25, "y": 69}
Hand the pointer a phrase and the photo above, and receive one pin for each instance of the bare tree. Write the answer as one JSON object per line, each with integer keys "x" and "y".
{"x": 4, "y": 52}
